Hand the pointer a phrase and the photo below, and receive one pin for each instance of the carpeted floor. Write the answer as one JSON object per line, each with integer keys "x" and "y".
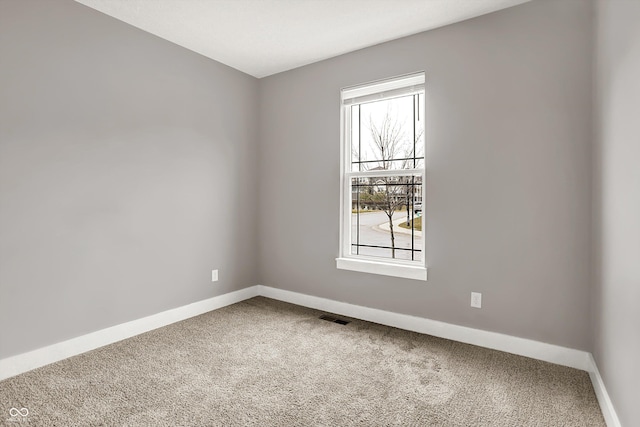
{"x": 266, "y": 363}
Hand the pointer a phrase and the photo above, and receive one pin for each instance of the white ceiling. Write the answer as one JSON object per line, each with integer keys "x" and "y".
{"x": 264, "y": 37}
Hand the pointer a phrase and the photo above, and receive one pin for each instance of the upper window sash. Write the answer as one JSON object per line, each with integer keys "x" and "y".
{"x": 389, "y": 88}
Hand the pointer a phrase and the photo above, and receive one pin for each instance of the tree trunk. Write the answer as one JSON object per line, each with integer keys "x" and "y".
{"x": 393, "y": 237}
{"x": 390, "y": 210}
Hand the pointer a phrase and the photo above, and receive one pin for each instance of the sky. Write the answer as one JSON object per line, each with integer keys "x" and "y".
{"x": 400, "y": 110}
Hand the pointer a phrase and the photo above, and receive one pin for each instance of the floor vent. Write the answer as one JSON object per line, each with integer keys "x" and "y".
{"x": 329, "y": 318}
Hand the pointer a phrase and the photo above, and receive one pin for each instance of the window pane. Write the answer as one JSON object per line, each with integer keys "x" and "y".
{"x": 387, "y": 134}
{"x": 386, "y": 219}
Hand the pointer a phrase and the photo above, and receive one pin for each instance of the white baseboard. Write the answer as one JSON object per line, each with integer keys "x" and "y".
{"x": 578, "y": 359}
{"x": 24, "y": 362}
{"x": 524, "y": 347}
{"x": 606, "y": 406}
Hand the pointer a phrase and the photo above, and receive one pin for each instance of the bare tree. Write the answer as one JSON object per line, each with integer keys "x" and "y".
{"x": 390, "y": 142}
{"x": 388, "y": 138}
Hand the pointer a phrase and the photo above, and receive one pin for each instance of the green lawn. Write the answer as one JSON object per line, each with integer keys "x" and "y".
{"x": 416, "y": 222}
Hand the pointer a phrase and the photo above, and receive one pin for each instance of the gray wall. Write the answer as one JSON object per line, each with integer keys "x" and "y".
{"x": 127, "y": 169}
{"x": 617, "y": 204}
{"x": 508, "y": 181}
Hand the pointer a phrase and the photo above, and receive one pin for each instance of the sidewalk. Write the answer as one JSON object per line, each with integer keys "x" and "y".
{"x": 397, "y": 229}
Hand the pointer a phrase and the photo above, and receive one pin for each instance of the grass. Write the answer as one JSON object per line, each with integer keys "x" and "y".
{"x": 417, "y": 223}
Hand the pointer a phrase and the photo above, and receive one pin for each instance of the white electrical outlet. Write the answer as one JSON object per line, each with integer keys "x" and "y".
{"x": 476, "y": 299}
{"x": 214, "y": 275}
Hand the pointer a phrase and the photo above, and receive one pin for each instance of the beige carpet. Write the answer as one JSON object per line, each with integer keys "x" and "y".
{"x": 267, "y": 363}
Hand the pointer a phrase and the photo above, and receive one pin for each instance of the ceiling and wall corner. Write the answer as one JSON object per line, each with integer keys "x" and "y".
{"x": 265, "y": 37}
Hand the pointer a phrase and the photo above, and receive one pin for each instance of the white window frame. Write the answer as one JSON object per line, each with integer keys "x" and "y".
{"x": 378, "y": 90}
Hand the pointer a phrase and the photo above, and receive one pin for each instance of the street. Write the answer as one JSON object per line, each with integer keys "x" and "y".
{"x": 368, "y": 232}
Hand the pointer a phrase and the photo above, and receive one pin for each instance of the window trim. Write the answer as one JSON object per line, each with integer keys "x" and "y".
{"x": 349, "y": 96}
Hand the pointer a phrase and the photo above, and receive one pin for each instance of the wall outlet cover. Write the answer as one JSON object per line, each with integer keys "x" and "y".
{"x": 476, "y": 299}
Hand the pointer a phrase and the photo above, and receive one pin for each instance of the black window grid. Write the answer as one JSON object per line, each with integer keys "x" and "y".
{"x": 410, "y": 205}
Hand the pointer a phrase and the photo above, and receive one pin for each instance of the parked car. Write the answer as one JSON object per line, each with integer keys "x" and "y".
{"x": 417, "y": 208}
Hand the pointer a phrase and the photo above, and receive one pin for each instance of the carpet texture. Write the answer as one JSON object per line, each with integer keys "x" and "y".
{"x": 266, "y": 363}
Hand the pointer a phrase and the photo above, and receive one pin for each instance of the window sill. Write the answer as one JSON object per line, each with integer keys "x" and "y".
{"x": 383, "y": 268}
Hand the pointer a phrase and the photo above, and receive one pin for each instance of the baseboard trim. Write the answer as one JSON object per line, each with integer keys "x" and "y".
{"x": 578, "y": 359}
{"x": 608, "y": 411}
{"x": 24, "y": 362}
{"x": 537, "y": 350}
{"x": 524, "y": 347}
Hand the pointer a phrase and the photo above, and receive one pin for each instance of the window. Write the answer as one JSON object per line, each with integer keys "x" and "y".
{"x": 382, "y": 174}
